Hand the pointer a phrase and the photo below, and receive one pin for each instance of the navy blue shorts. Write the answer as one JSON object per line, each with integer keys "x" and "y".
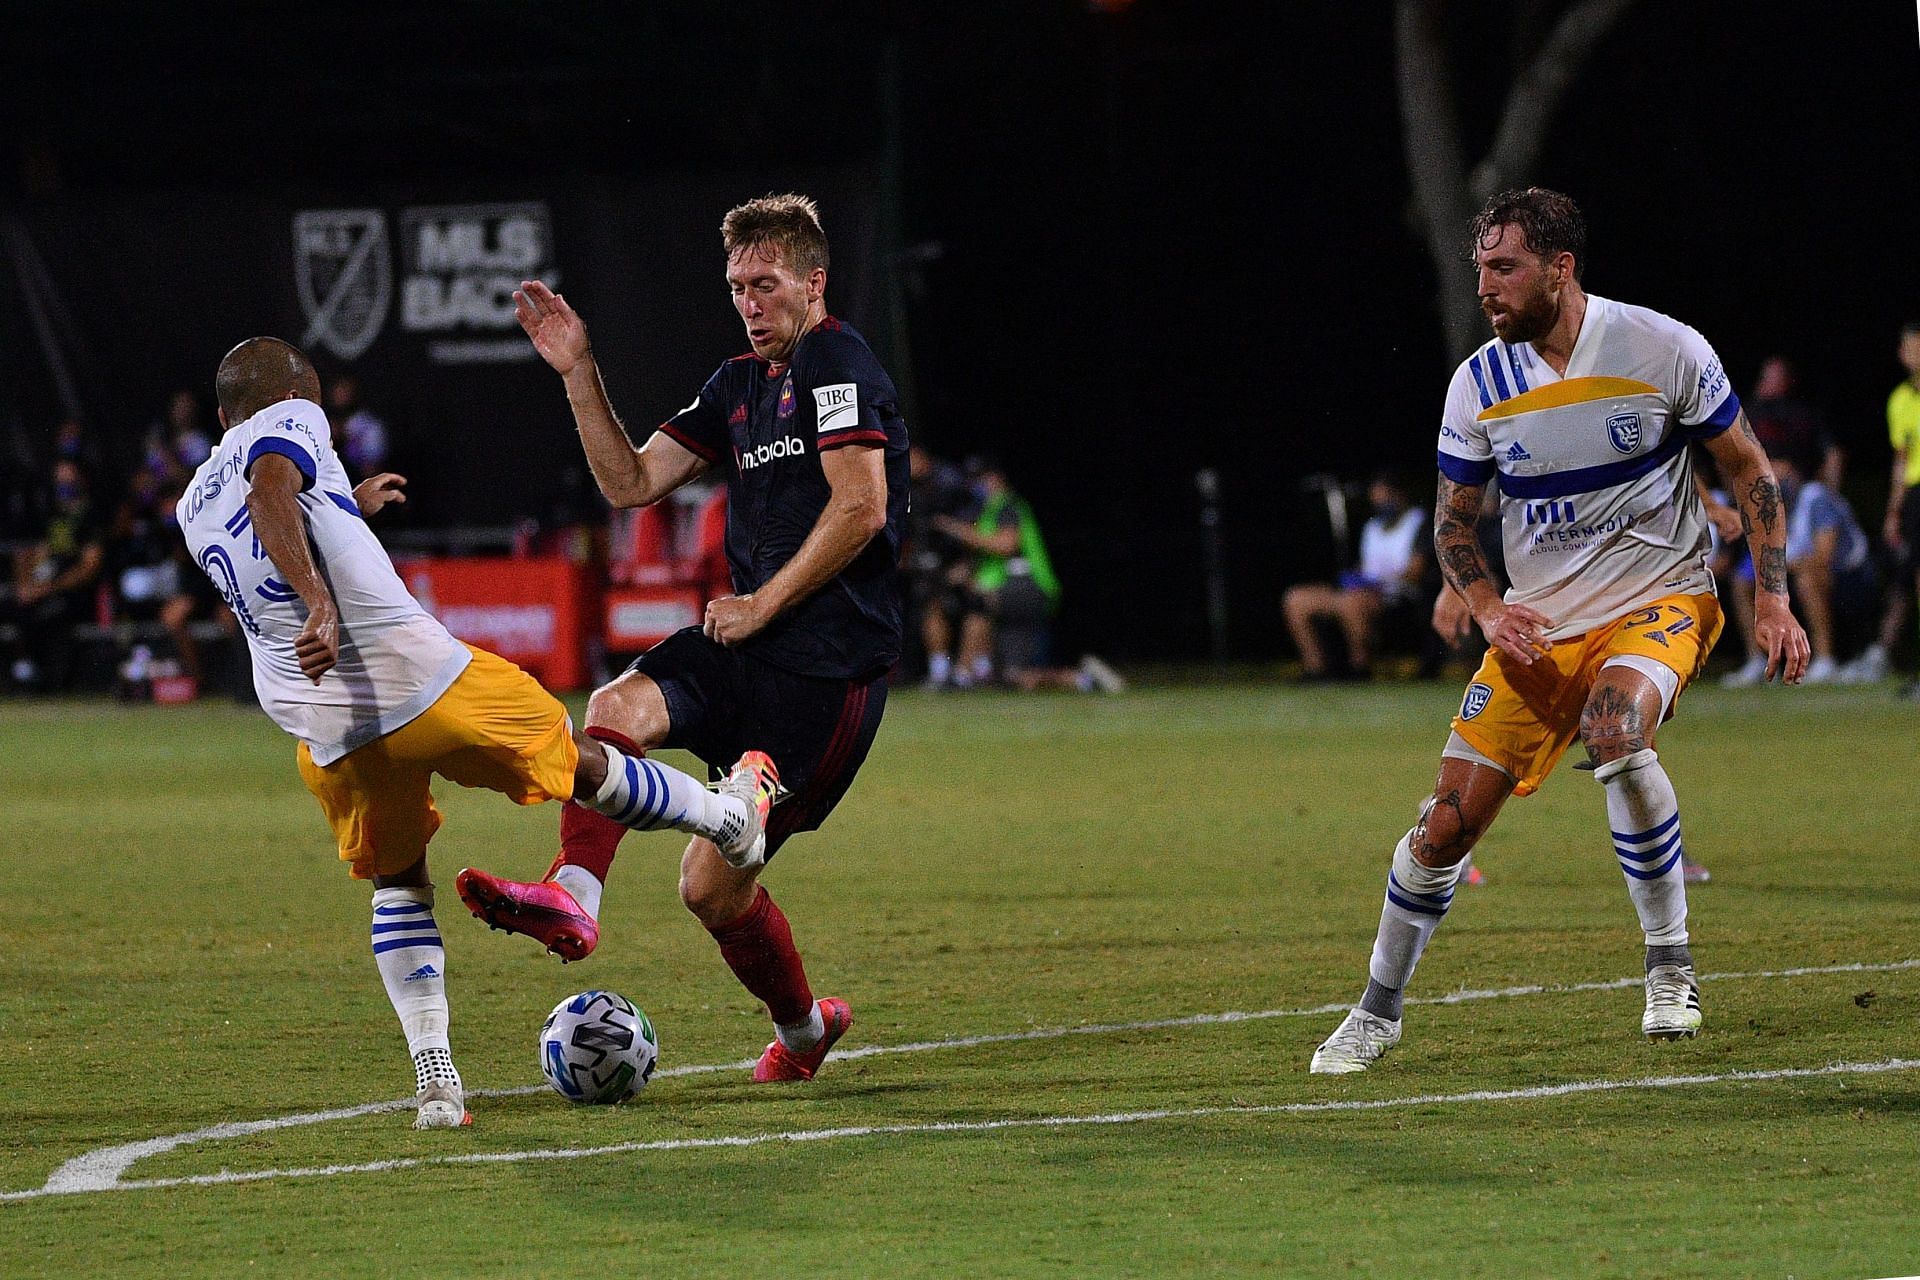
{"x": 722, "y": 703}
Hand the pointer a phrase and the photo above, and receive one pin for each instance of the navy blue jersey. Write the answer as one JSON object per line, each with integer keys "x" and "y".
{"x": 768, "y": 432}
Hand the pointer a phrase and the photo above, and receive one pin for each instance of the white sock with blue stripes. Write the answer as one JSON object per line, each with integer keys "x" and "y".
{"x": 1417, "y": 900}
{"x": 1644, "y": 815}
{"x": 413, "y": 965}
{"x": 646, "y": 795}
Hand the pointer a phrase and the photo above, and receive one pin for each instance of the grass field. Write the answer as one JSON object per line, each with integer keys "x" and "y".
{"x": 182, "y": 951}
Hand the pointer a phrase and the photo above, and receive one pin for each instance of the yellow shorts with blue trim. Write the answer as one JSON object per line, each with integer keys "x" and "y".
{"x": 494, "y": 727}
{"x": 1524, "y": 718}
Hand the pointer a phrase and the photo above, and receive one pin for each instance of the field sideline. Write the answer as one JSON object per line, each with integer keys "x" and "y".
{"x": 1090, "y": 943}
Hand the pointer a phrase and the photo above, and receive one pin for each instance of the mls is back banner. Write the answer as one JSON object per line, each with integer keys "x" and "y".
{"x": 412, "y": 293}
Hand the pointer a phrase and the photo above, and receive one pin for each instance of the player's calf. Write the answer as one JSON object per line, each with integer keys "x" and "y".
{"x": 413, "y": 967}
{"x": 1643, "y": 815}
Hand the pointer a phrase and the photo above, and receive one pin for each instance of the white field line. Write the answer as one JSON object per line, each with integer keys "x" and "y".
{"x": 102, "y": 1169}
{"x": 228, "y": 1177}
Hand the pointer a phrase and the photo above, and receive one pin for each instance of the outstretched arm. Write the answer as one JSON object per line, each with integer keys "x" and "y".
{"x": 274, "y": 503}
{"x": 856, "y": 510}
{"x": 628, "y": 477}
{"x": 1748, "y": 474}
{"x": 1516, "y": 630}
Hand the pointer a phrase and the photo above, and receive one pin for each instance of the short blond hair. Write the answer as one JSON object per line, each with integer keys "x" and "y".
{"x": 791, "y": 222}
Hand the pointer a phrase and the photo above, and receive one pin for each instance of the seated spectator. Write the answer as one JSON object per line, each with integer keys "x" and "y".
{"x": 1829, "y": 561}
{"x": 938, "y": 565}
{"x": 1787, "y": 424}
{"x": 153, "y": 578}
{"x": 1828, "y": 557}
{"x": 1011, "y": 597}
{"x": 1393, "y": 560}
{"x": 54, "y": 580}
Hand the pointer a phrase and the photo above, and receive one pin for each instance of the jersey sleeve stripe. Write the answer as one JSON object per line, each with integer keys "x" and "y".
{"x": 1717, "y": 421}
{"x": 1562, "y": 484}
{"x": 855, "y": 435}
{"x": 687, "y": 442}
{"x": 288, "y": 450}
{"x": 1465, "y": 470}
{"x": 1480, "y": 383}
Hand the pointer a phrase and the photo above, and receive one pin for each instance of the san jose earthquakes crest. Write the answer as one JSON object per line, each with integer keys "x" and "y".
{"x": 1476, "y": 700}
{"x": 1623, "y": 432}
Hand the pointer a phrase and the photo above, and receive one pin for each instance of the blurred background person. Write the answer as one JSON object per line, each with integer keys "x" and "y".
{"x": 1901, "y": 528}
{"x": 1006, "y": 624}
{"x": 937, "y": 564}
{"x": 1393, "y": 564}
{"x": 1788, "y": 424}
{"x": 359, "y": 434}
{"x": 1829, "y": 558}
{"x": 54, "y": 578}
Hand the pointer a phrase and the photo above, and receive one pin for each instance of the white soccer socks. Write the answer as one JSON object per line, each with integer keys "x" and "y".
{"x": 645, "y": 795}
{"x": 413, "y": 965}
{"x": 1417, "y": 900}
{"x": 1644, "y": 815}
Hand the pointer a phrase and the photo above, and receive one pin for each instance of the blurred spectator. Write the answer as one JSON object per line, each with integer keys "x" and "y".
{"x": 1828, "y": 556}
{"x": 54, "y": 580}
{"x": 1393, "y": 562}
{"x": 178, "y": 441}
{"x": 1787, "y": 424}
{"x": 359, "y": 434}
{"x": 1010, "y": 600}
{"x": 1901, "y": 529}
{"x": 154, "y": 581}
{"x": 72, "y": 441}
{"x": 937, "y": 564}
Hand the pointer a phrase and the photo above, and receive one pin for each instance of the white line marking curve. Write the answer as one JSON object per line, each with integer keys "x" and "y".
{"x": 103, "y": 1169}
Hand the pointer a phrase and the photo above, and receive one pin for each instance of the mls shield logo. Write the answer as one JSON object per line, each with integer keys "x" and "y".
{"x": 344, "y": 275}
{"x": 1623, "y": 429}
{"x": 1476, "y": 700}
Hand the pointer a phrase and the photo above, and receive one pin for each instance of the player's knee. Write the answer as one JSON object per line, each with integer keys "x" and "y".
{"x": 632, "y": 706}
{"x": 713, "y": 898}
{"x": 1612, "y": 728}
{"x": 1444, "y": 833}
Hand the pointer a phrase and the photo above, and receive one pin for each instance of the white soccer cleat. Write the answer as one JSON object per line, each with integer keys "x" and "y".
{"x": 442, "y": 1106}
{"x": 1356, "y": 1044}
{"x": 756, "y": 782}
{"x": 1746, "y": 677}
{"x": 1673, "y": 1003}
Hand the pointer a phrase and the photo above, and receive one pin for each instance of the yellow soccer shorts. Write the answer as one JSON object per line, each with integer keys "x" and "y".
{"x": 1524, "y": 718}
{"x": 494, "y": 727}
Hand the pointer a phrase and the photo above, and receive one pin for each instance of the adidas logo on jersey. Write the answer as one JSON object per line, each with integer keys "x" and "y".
{"x": 424, "y": 971}
{"x": 1517, "y": 454}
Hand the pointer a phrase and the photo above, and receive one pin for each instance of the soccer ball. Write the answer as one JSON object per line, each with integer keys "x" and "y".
{"x": 596, "y": 1047}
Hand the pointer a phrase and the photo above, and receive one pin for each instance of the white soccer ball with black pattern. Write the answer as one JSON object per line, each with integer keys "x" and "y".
{"x": 597, "y": 1047}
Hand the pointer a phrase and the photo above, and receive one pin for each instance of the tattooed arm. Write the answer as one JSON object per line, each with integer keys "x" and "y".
{"x": 1749, "y": 476}
{"x": 1516, "y": 630}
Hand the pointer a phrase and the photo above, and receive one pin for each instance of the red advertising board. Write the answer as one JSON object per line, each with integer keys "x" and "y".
{"x": 640, "y": 617}
{"x": 532, "y": 611}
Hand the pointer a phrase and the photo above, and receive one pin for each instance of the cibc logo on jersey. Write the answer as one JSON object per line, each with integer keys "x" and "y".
{"x": 785, "y": 447}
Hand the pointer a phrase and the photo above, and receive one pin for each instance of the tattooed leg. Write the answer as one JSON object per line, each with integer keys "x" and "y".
{"x": 1426, "y": 866}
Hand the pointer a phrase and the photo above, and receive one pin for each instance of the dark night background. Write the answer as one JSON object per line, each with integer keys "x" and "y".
{"x": 1168, "y": 237}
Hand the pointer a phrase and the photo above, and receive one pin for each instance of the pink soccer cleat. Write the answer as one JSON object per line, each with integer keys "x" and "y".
{"x": 782, "y": 1063}
{"x": 540, "y": 909}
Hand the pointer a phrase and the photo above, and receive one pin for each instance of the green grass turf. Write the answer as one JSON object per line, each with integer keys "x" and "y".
{"x": 181, "y": 949}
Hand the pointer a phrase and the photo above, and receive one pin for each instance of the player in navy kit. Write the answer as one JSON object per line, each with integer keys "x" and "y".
{"x": 808, "y": 431}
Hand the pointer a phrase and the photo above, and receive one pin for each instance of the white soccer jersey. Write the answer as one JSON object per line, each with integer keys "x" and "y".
{"x": 1597, "y": 504}
{"x": 395, "y": 657}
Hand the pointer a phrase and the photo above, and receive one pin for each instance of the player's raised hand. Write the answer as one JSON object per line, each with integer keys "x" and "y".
{"x": 558, "y": 332}
{"x": 376, "y": 492}
{"x": 1517, "y": 631}
{"x": 318, "y": 644}
{"x": 1779, "y": 635}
